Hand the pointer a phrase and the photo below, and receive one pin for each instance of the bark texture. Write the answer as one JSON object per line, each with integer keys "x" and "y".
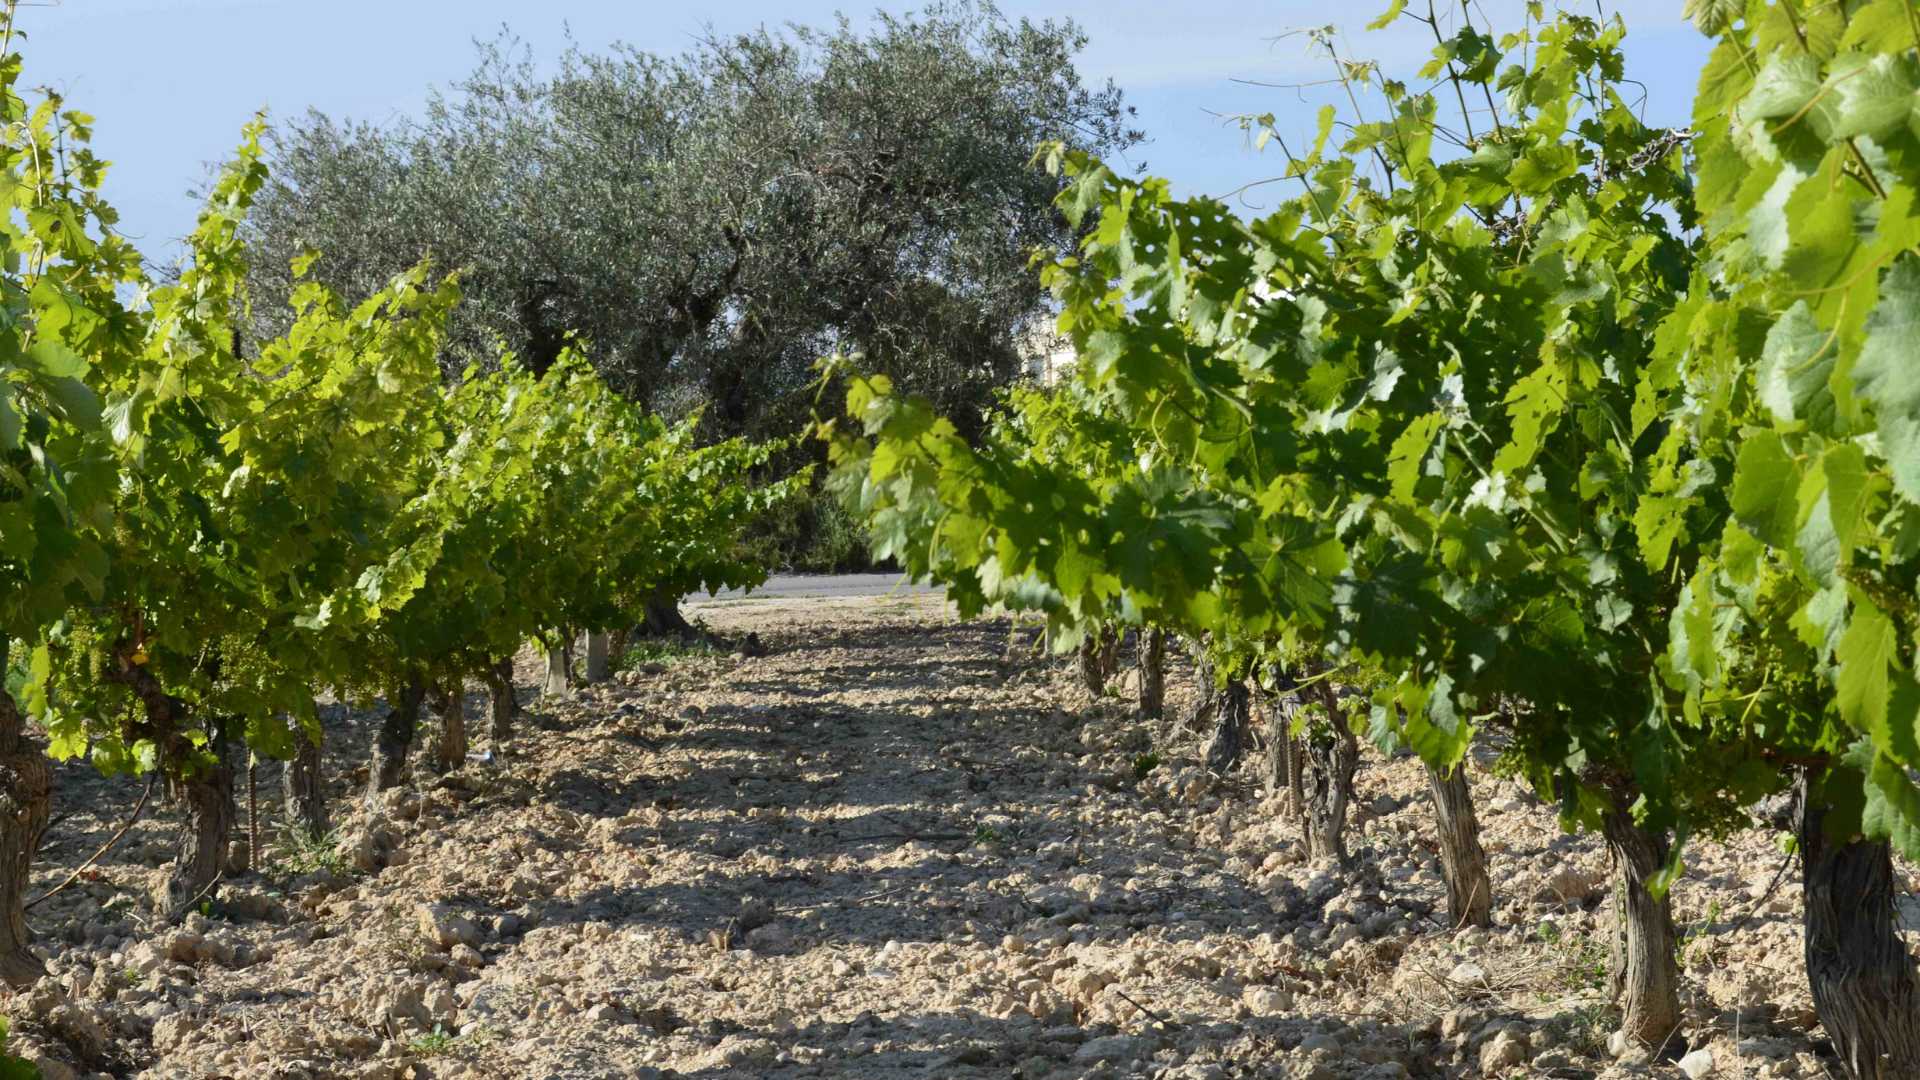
{"x": 1860, "y": 972}
{"x": 450, "y": 740}
{"x": 1645, "y": 974}
{"x": 1330, "y": 754}
{"x": 1099, "y": 659}
{"x": 394, "y": 738}
{"x": 1153, "y": 673}
{"x": 1462, "y": 860}
{"x": 1229, "y": 739}
{"x": 1284, "y": 761}
{"x": 306, "y": 798}
{"x": 1208, "y": 702}
{"x": 502, "y": 707}
{"x": 201, "y": 858}
{"x": 26, "y": 794}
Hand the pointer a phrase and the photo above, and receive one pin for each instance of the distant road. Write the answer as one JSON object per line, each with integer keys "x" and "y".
{"x": 803, "y": 586}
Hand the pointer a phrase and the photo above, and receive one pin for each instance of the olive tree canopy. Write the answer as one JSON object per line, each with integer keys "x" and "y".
{"x": 710, "y": 224}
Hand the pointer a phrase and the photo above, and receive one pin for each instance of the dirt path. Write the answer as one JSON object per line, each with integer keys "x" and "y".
{"x": 896, "y": 846}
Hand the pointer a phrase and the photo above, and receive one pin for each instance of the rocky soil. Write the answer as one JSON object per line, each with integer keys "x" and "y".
{"x": 897, "y": 845}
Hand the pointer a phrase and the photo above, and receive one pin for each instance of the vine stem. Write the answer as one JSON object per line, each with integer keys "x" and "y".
{"x": 104, "y": 848}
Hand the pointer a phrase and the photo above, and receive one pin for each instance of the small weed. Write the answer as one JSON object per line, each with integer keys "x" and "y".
{"x": 1698, "y": 942}
{"x": 1144, "y": 764}
{"x": 1588, "y": 1027}
{"x": 666, "y": 652}
{"x": 986, "y": 834}
{"x": 434, "y": 1042}
{"x": 1585, "y": 958}
{"x": 304, "y": 851}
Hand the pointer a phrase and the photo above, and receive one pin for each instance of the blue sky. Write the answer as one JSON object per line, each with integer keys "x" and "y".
{"x": 171, "y": 81}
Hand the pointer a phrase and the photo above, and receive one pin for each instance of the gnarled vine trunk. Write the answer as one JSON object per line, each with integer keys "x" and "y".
{"x": 1330, "y": 753}
{"x": 1153, "y": 673}
{"x": 1462, "y": 860}
{"x": 1099, "y": 658}
{"x": 502, "y": 707}
{"x": 199, "y": 861}
{"x": 1202, "y": 716}
{"x": 1860, "y": 972}
{"x": 203, "y": 788}
{"x": 1230, "y": 728}
{"x": 394, "y": 738}
{"x": 1285, "y": 764}
{"x": 1645, "y": 973}
{"x": 306, "y": 797}
{"x": 450, "y": 738}
{"x": 26, "y": 794}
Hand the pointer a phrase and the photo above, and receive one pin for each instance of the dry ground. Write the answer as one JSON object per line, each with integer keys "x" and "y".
{"x": 896, "y": 846}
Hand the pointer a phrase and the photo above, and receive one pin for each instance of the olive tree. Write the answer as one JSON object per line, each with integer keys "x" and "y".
{"x": 711, "y": 223}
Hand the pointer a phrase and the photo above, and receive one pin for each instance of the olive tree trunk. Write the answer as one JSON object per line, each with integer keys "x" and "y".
{"x": 394, "y": 738}
{"x": 1645, "y": 973}
{"x": 1860, "y": 972}
{"x": 450, "y": 739}
{"x": 1462, "y": 860}
{"x": 1330, "y": 753}
{"x": 1153, "y": 673}
{"x": 662, "y": 618}
{"x": 1230, "y": 728}
{"x": 306, "y": 798}
{"x": 599, "y": 662}
{"x": 26, "y": 796}
{"x": 502, "y": 707}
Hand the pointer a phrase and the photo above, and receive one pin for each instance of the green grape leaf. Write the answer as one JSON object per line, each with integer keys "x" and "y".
{"x": 76, "y": 401}
{"x": 1892, "y": 809}
{"x": 55, "y": 360}
{"x": 1873, "y": 97}
{"x": 1795, "y": 368}
{"x": 1861, "y": 692}
{"x": 1848, "y": 486}
{"x": 1409, "y": 450}
{"x": 1710, "y": 15}
{"x": 10, "y": 423}
{"x": 1786, "y": 83}
{"x": 1765, "y": 487}
{"x": 1386, "y": 17}
{"x": 1886, "y": 374}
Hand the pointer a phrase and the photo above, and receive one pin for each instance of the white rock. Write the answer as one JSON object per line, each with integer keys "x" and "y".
{"x": 1267, "y": 1000}
{"x": 440, "y": 925}
{"x": 1503, "y": 1051}
{"x": 1697, "y": 1064}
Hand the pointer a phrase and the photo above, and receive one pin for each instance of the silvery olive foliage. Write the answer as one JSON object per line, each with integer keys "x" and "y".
{"x": 711, "y": 223}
